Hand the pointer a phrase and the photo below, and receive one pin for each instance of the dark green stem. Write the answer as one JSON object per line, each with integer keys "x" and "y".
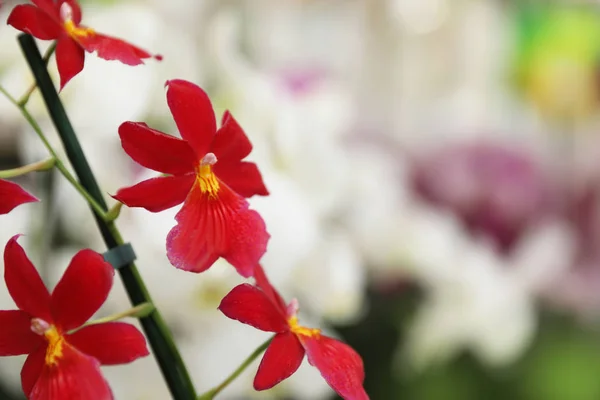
{"x": 159, "y": 336}
{"x": 25, "y": 98}
{"x": 216, "y": 390}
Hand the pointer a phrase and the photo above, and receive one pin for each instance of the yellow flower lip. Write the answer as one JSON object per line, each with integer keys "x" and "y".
{"x": 207, "y": 181}
{"x": 76, "y": 31}
{"x": 55, "y": 339}
{"x": 66, "y": 16}
{"x": 300, "y": 330}
{"x": 295, "y": 327}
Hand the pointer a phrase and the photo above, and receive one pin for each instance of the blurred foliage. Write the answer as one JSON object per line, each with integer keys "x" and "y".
{"x": 5, "y": 394}
{"x": 557, "y": 57}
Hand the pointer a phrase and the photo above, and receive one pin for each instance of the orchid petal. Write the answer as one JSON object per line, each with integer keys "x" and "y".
{"x": 24, "y": 283}
{"x": 156, "y": 150}
{"x": 193, "y": 113}
{"x": 157, "y": 194}
{"x": 110, "y": 343}
{"x": 33, "y": 368}
{"x": 248, "y": 239}
{"x": 111, "y": 48}
{"x": 31, "y": 19}
{"x": 16, "y": 336}
{"x": 82, "y": 290}
{"x": 282, "y": 358}
{"x": 263, "y": 284}
{"x": 250, "y": 305}
{"x": 74, "y": 376}
{"x": 49, "y": 7}
{"x": 208, "y": 228}
{"x": 69, "y": 59}
{"x": 231, "y": 143}
{"x": 12, "y": 195}
{"x": 338, "y": 363}
{"x": 243, "y": 177}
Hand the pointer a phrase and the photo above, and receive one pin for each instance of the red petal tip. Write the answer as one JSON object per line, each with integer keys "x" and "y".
{"x": 24, "y": 283}
{"x": 339, "y": 364}
{"x": 13, "y": 195}
{"x": 282, "y": 358}
{"x": 82, "y": 289}
{"x": 249, "y": 305}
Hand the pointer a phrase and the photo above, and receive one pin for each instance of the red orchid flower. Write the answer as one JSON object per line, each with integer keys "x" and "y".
{"x": 207, "y": 174}
{"x": 60, "y": 20}
{"x": 263, "y": 308}
{"x": 12, "y": 195}
{"x": 63, "y": 363}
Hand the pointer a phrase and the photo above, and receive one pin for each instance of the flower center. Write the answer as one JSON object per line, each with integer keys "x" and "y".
{"x": 54, "y": 351}
{"x": 66, "y": 15}
{"x": 298, "y": 329}
{"x": 206, "y": 178}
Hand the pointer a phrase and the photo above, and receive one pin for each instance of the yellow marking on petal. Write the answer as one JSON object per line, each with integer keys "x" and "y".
{"x": 76, "y": 31}
{"x": 298, "y": 329}
{"x": 55, "y": 345}
{"x": 207, "y": 181}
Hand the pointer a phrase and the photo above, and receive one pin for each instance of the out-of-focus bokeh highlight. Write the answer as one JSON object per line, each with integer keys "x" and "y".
{"x": 434, "y": 169}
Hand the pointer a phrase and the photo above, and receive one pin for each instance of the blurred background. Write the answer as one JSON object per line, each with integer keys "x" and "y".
{"x": 434, "y": 169}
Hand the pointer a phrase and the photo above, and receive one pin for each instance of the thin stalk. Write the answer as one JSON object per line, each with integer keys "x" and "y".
{"x": 157, "y": 332}
{"x": 25, "y": 98}
{"x": 43, "y": 165}
{"x": 114, "y": 212}
{"x": 139, "y": 311}
{"x": 61, "y": 166}
{"x": 216, "y": 390}
{"x": 57, "y": 161}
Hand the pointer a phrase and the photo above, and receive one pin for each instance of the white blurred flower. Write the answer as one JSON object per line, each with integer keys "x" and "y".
{"x": 475, "y": 296}
{"x": 420, "y": 17}
{"x": 331, "y": 282}
{"x": 478, "y": 308}
{"x": 480, "y": 300}
{"x": 292, "y": 224}
{"x": 304, "y": 129}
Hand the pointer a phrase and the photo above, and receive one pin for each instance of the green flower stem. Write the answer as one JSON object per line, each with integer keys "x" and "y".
{"x": 216, "y": 390}
{"x": 8, "y": 96}
{"x": 43, "y": 165}
{"x": 139, "y": 311}
{"x": 25, "y": 98}
{"x": 159, "y": 336}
